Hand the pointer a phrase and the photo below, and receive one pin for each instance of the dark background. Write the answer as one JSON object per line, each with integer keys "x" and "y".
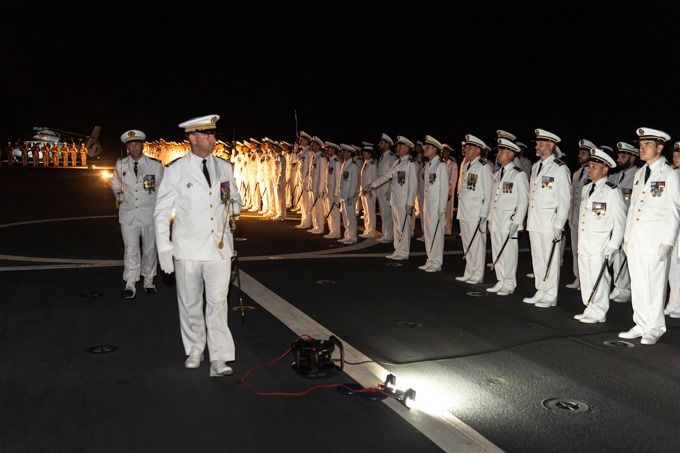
{"x": 595, "y": 70}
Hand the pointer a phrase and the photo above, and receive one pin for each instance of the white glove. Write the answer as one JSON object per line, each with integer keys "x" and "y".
{"x": 609, "y": 252}
{"x": 368, "y": 188}
{"x": 482, "y": 219}
{"x": 409, "y": 209}
{"x": 664, "y": 251}
{"x": 557, "y": 234}
{"x": 166, "y": 262}
{"x": 512, "y": 229}
{"x": 236, "y": 208}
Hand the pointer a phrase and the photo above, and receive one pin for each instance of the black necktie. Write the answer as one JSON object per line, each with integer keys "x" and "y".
{"x": 580, "y": 176}
{"x": 592, "y": 189}
{"x": 540, "y": 167}
{"x": 502, "y": 172}
{"x": 467, "y": 167}
{"x": 136, "y": 168}
{"x": 648, "y": 171}
{"x": 621, "y": 177}
{"x": 205, "y": 172}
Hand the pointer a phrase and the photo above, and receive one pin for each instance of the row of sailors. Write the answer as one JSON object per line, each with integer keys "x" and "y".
{"x": 626, "y": 220}
{"x": 49, "y": 154}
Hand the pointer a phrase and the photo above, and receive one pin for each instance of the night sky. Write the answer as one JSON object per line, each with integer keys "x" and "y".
{"x": 595, "y": 70}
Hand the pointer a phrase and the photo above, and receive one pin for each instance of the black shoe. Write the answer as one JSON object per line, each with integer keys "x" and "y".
{"x": 127, "y": 294}
{"x": 150, "y": 291}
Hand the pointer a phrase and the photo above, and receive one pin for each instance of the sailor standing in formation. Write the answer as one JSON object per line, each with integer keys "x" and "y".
{"x": 578, "y": 180}
{"x": 474, "y": 203}
{"x": 626, "y": 159}
{"x": 510, "y": 192}
{"x": 601, "y": 220}
{"x": 349, "y": 192}
{"x": 403, "y": 180}
{"x": 651, "y": 230}
{"x": 549, "y": 201}
{"x": 435, "y": 200}
{"x": 385, "y": 162}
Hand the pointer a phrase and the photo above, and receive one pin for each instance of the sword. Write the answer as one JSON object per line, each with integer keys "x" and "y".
{"x": 479, "y": 222}
{"x": 597, "y": 282}
{"x": 552, "y": 252}
{"x": 623, "y": 263}
{"x": 434, "y": 234}
{"x": 329, "y": 211}
{"x": 401, "y": 235}
{"x": 501, "y": 251}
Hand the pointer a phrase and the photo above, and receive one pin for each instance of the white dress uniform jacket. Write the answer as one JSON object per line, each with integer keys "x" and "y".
{"x": 199, "y": 212}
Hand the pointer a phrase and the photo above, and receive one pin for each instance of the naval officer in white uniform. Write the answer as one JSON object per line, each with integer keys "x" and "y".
{"x": 510, "y": 193}
{"x": 651, "y": 230}
{"x": 201, "y": 191}
{"x": 601, "y": 220}
{"x": 135, "y": 181}
{"x": 626, "y": 159}
{"x": 474, "y": 204}
{"x": 403, "y": 181}
{"x": 549, "y": 201}
{"x": 435, "y": 200}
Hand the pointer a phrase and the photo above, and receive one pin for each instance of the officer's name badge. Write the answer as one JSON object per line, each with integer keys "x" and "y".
{"x": 401, "y": 177}
{"x": 547, "y": 182}
{"x": 345, "y": 175}
{"x": 225, "y": 191}
{"x": 657, "y": 188}
{"x": 599, "y": 209}
{"x": 471, "y": 181}
{"x": 149, "y": 183}
{"x": 432, "y": 178}
{"x": 507, "y": 187}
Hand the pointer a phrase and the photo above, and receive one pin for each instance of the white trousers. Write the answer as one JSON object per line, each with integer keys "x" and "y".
{"x": 385, "y": 216}
{"x": 433, "y": 234}
{"x": 541, "y": 245}
{"x": 622, "y": 284}
{"x": 648, "y": 290}
{"x": 589, "y": 269}
{"x": 574, "y": 250}
{"x": 506, "y": 260}
{"x": 368, "y": 202}
{"x": 139, "y": 260}
{"x": 305, "y": 209}
{"x": 192, "y": 277}
{"x": 474, "y": 246}
{"x": 334, "y": 216}
{"x": 401, "y": 231}
{"x": 349, "y": 219}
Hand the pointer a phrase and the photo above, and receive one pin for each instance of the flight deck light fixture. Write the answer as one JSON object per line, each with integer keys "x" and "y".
{"x": 406, "y": 397}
